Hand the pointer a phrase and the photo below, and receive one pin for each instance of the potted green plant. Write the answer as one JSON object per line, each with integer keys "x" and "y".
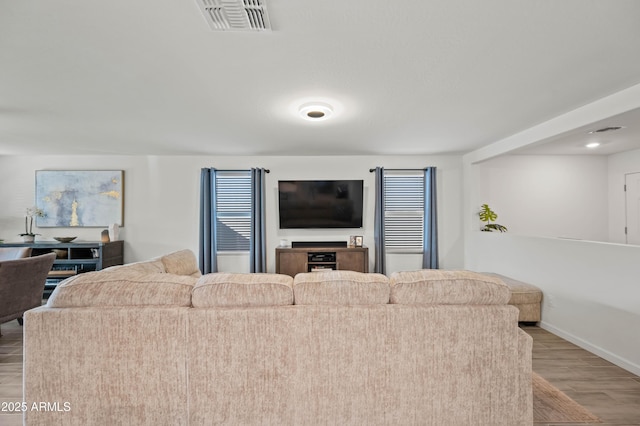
{"x": 487, "y": 215}
{"x": 28, "y": 236}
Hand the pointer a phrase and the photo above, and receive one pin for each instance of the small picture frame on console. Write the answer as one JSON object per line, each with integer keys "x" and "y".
{"x": 358, "y": 241}
{"x": 352, "y": 241}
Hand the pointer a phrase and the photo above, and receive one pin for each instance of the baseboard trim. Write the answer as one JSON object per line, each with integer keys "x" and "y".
{"x": 602, "y": 353}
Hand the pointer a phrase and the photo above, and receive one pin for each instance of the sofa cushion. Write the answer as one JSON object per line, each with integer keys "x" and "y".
{"x": 181, "y": 262}
{"x": 340, "y": 288}
{"x": 230, "y": 289}
{"x": 121, "y": 287}
{"x": 154, "y": 266}
{"x": 435, "y": 286}
{"x": 521, "y": 292}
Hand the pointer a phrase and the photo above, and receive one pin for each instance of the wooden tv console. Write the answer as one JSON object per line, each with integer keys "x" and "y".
{"x": 291, "y": 261}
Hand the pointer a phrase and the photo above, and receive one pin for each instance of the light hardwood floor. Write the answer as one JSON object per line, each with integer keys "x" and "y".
{"x": 608, "y": 391}
{"x": 10, "y": 371}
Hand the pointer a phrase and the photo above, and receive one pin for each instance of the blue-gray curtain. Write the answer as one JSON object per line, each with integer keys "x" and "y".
{"x": 258, "y": 243}
{"x": 208, "y": 250}
{"x": 430, "y": 242}
{"x": 378, "y": 223}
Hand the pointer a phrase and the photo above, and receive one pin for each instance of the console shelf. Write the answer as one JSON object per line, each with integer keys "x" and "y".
{"x": 291, "y": 261}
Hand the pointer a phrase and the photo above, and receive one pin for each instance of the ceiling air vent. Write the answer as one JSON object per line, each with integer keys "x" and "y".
{"x": 607, "y": 129}
{"x": 235, "y": 15}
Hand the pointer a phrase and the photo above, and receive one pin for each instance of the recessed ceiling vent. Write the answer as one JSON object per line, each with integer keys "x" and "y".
{"x": 607, "y": 129}
{"x": 235, "y": 15}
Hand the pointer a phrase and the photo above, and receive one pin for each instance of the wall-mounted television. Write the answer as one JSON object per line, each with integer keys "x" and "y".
{"x": 320, "y": 203}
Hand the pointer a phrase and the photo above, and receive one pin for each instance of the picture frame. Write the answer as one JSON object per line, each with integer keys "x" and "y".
{"x": 352, "y": 241}
{"x": 80, "y": 198}
{"x": 358, "y": 241}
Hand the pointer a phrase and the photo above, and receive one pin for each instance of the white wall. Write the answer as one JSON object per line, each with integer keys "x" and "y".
{"x": 591, "y": 287}
{"x": 547, "y": 195}
{"x": 618, "y": 166}
{"x": 591, "y": 296}
{"x": 161, "y": 199}
{"x": 590, "y": 290}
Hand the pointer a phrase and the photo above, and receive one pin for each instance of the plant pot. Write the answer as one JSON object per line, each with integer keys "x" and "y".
{"x": 28, "y": 238}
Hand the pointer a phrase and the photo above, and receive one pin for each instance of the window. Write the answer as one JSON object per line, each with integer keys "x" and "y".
{"x": 233, "y": 210}
{"x": 404, "y": 211}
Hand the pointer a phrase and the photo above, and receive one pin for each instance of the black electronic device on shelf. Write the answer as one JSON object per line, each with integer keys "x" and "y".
{"x": 321, "y": 261}
{"x": 322, "y": 257}
{"x": 318, "y": 244}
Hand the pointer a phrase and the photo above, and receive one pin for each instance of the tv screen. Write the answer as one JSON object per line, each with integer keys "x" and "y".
{"x": 320, "y": 203}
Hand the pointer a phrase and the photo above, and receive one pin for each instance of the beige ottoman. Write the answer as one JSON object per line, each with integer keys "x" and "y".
{"x": 526, "y": 297}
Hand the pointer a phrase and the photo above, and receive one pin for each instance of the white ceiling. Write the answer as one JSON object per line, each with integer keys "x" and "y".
{"x": 405, "y": 77}
{"x": 610, "y": 142}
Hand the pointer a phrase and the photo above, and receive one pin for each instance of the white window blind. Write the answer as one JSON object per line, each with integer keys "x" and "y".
{"x": 404, "y": 211}
{"x": 233, "y": 210}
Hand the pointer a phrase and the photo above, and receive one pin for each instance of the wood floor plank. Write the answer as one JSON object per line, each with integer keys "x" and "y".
{"x": 608, "y": 391}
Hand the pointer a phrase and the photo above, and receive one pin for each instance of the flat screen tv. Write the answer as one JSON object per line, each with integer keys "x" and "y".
{"x": 320, "y": 203}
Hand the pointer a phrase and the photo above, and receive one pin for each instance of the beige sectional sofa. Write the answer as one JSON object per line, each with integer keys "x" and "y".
{"x": 524, "y": 296}
{"x": 155, "y": 343}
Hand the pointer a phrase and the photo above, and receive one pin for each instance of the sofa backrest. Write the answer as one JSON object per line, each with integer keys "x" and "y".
{"x": 153, "y": 266}
{"x": 447, "y": 287}
{"x": 164, "y": 281}
{"x": 175, "y": 280}
{"x": 182, "y": 262}
{"x": 242, "y": 290}
{"x": 340, "y": 288}
{"x": 123, "y": 288}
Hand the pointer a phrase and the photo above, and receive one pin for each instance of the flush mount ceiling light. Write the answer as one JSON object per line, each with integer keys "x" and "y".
{"x": 593, "y": 145}
{"x": 315, "y": 111}
{"x": 305, "y": 109}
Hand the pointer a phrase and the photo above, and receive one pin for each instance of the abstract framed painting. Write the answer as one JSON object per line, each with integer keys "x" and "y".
{"x": 80, "y": 198}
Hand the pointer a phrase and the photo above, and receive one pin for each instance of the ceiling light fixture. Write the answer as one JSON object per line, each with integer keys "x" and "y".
{"x": 315, "y": 111}
{"x": 593, "y": 145}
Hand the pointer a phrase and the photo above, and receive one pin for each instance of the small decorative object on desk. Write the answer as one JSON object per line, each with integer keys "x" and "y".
{"x": 114, "y": 230}
{"x": 28, "y": 236}
{"x": 352, "y": 241}
{"x": 358, "y": 241}
{"x": 104, "y": 236}
{"x": 61, "y": 253}
{"x": 64, "y": 239}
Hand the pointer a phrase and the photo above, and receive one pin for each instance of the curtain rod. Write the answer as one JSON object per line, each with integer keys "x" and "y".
{"x": 239, "y": 170}
{"x": 401, "y": 170}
